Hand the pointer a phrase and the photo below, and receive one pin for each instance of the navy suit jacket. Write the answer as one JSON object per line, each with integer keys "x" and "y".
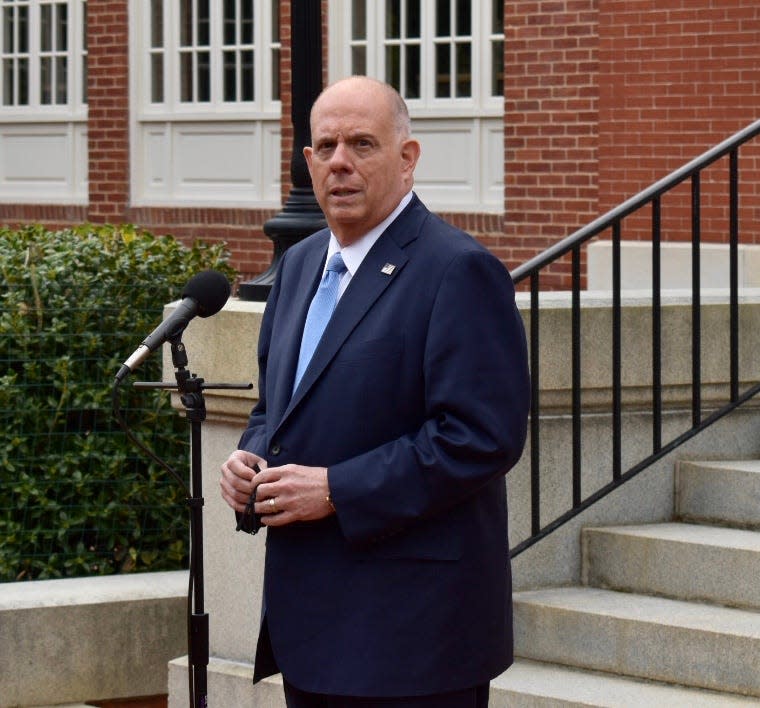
{"x": 416, "y": 401}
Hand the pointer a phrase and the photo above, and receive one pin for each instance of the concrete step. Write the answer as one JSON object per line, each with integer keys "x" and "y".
{"x": 531, "y": 684}
{"x": 659, "y": 639}
{"x": 526, "y": 684}
{"x": 723, "y": 492}
{"x": 683, "y": 561}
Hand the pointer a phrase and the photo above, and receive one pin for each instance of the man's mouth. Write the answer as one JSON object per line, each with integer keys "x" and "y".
{"x": 343, "y": 192}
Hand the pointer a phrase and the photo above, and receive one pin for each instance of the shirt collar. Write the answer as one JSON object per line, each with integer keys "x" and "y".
{"x": 354, "y": 254}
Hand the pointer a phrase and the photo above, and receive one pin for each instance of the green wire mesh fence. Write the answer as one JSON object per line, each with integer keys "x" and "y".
{"x": 76, "y": 497}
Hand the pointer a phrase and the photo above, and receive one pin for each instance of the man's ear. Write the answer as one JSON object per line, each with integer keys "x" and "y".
{"x": 410, "y": 153}
{"x": 307, "y": 153}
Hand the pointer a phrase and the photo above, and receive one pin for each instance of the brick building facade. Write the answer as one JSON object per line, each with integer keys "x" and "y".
{"x": 601, "y": 98}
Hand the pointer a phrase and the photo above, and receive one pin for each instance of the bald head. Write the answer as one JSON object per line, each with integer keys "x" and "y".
{"x": 360, "y": 88}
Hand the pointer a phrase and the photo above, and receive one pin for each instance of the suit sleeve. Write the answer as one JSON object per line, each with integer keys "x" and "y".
{"x": 477, "y": 397}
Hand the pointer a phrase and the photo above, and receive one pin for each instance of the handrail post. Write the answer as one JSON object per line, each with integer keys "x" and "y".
{"x": 656, "y": 326}
{"x": 696, "y": 297}
{"x": 576, "y": 373}
{"x": 535, "y": 409}
{"x": 733, "y": 231}
{"x": 617, "y": 432}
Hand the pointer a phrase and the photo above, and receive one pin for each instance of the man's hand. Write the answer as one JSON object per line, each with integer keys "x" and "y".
{"x": 292, "y": 493}
{"x": 237, "y": 478}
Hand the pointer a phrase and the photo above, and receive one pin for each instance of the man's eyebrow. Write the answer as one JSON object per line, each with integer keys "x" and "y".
{"x": 349, "y": 138}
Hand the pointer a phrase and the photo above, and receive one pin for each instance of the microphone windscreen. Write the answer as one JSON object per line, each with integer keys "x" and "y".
{"x": 210, "y": 289}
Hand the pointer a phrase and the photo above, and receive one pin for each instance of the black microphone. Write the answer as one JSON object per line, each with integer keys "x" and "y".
{"x": 204, "y": 295}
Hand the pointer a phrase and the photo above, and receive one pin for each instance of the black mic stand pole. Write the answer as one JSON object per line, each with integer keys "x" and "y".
{"x": 191, "y": 394}
{"x": 190, "y": 388}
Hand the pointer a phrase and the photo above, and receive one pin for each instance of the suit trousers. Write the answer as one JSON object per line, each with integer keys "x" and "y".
{"x": 476, "y": 697}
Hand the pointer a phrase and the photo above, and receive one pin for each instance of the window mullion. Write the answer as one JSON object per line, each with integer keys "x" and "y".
{"x": 82, "y": 52}
{"x": 427, "y": 82}
{"x": 194, "y": 51}
{"x": 214, "y": 54}
{"x": 73, "y": 54}
{"x": 238, "y": 50}
{"x": 267, "y": 56}
{"x": 171, "y": 51}
{"x": 375, "y": 38}
{"x": 33, "y": 75}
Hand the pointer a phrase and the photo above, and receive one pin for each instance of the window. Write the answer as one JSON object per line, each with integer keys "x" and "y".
{"x": 430, "y": 50}
{"x": 16, "y": 54}
{"x": 402, "y": 46}
{"x": 206, "y": 93}
{"x": 53, "y": 54}
{"x": 43, "y": 101}
{"x": 212, "y": 53}
{"x": 44, "y": 57}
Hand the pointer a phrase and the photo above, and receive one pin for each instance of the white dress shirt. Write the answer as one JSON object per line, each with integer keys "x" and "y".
{"x": 354, "y": 254}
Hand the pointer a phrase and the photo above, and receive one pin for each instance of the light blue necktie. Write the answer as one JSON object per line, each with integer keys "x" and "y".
{"x": 320, "y": 311}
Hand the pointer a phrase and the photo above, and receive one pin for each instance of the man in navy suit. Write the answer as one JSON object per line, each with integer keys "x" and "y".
{"x": 387, "y": 578}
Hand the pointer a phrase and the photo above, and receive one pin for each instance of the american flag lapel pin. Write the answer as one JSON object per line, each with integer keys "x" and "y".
{"x": 388, "y": 269}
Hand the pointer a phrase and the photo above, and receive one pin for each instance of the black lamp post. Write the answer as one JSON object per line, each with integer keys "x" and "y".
{"x": 301, "y": 214}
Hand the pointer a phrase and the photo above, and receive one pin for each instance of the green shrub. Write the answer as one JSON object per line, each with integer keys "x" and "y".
{"x": 76, "y": 496}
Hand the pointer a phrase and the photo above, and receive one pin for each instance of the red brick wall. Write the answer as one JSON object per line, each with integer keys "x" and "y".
{"x": 241, "y": 229}
{"x": 676, "y": 78}
{"x": 551, "y": 124}
{"x": 52, "y": 216}
{"x": 605, "y": 97}
{"x": 108, "y": 109}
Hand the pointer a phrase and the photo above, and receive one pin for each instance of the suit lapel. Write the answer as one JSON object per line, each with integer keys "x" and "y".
{"x": 286, "y": 355}
{"x": 379, "y": 269}
{"x": 363, "y": 291}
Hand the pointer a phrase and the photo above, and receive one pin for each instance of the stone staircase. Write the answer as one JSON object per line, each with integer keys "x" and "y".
{"x": 668, "y": 614}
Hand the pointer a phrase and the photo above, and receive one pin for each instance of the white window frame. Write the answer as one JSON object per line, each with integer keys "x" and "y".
{"x": 75, "y": 107}
{"x": 172, "y": 108}
{"x": 43, "y": 147}
{"x": 480, "y": 104}
{"x": 203, "y": 154}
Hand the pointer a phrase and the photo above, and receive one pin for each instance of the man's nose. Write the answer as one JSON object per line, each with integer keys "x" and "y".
{"x": 341, "y": 157}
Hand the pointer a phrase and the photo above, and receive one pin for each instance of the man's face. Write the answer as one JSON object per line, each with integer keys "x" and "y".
{"x": 360, "y": 166}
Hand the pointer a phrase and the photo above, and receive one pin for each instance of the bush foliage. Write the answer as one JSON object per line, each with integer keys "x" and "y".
{"x": 76, "y": 497}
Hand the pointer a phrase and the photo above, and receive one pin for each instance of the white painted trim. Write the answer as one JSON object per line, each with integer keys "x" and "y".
{"x": 675, "y": 266}
{"x": 254, "y": 169}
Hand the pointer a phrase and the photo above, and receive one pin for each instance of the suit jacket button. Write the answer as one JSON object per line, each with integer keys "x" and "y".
{"x": 274, "y": 450}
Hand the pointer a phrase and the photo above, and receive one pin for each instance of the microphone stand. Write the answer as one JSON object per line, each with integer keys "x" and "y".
{"x": 190, "y": 388}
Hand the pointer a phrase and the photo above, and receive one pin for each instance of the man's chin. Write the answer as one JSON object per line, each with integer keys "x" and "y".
{"x": 345, "y": 216}
{"x": 346, "y": 227}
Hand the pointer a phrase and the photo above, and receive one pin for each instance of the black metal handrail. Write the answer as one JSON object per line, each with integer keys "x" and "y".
{"x": 612, "y": 222}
